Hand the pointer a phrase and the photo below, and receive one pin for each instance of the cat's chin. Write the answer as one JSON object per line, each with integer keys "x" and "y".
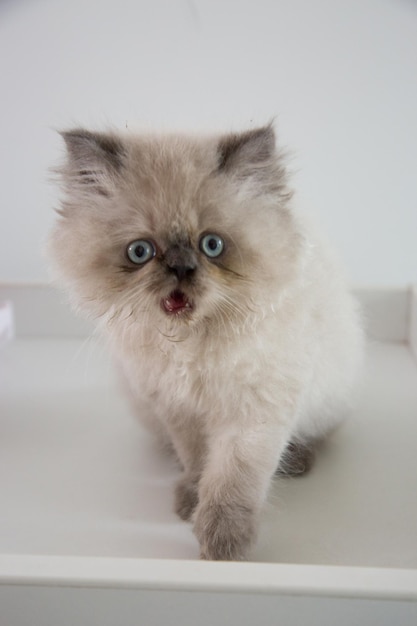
{"x": 177, "y": 304}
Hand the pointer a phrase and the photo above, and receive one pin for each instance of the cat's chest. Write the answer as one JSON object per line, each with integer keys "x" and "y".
{"x": 212, "y": 382}
{"x": 190, "y": 374}
{"x": 183, "y": 367}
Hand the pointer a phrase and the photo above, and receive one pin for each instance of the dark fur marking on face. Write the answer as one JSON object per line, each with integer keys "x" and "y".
{"x": 89, "y": 178}
{"x": 230, "y": 271}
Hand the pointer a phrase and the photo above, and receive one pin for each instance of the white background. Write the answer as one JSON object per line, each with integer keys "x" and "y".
{"x": 339, "y": 76}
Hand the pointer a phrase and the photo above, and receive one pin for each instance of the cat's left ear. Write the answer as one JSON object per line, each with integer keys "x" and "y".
{"x": 93, "y": 159}
{"x": 248, "y": 150}
{"x": 253, "y": 156}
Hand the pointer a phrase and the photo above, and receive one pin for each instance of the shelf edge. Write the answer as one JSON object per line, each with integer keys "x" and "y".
{"x": 205, "y": 576}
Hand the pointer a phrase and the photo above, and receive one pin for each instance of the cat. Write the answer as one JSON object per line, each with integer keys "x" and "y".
{"x": 231, "y": 319}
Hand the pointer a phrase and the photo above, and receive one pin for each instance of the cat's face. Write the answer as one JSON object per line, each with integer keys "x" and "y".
{"x": 173, "y": 231}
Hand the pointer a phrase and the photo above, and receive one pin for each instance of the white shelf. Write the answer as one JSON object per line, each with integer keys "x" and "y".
{"x": 87, "y": 498}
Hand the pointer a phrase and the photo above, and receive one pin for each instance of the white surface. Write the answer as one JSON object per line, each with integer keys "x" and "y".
{"x": 338, "y": 75}
{"x": 42, "y": 311}
{"x": 79, "y": 477}
{"x": 226, "y": 577}
{"x": 67, "y": 606}
{"x": 159, "y": 592}
{"x": 412, "y": 321}
{"x": 6, "y": 322}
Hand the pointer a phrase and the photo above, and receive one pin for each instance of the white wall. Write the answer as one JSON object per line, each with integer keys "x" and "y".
{"x": 339, "y": 75}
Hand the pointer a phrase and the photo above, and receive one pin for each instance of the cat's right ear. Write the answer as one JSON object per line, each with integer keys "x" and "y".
{"x": 93, "y": 159}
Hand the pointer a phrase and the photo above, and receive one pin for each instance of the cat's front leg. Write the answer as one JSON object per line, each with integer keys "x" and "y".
{"x": 233, "y": 489}
{"x": 190, "y": 446}
{"x": 186, "y": 496}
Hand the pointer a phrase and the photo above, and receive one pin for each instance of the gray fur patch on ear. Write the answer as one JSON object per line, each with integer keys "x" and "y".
{"x": 252, "y": 156}
{"x": 252, "y": 147}
{"x": 88, "y": 150}
{"x": 93, "y": 159}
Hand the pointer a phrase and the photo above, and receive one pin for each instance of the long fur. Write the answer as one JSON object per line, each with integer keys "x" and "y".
{"x": 267, "y": 356}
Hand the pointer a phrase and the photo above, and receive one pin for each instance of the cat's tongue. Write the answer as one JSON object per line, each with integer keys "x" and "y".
{"x": 176, "y": 302}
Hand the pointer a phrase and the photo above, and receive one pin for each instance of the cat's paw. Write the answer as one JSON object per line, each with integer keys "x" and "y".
{"x": 186, "y": 498}
{"x": 298, "y": 459}
{"x": 225, "y": 532}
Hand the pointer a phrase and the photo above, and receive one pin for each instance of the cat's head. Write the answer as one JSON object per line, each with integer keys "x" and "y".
{"x": 173, "y": 230}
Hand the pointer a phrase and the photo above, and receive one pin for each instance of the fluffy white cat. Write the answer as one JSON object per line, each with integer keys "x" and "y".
{"x": 231, "y": 319}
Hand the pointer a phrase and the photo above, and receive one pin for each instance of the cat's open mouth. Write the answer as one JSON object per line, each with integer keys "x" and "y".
{"x": 176, "y": 303}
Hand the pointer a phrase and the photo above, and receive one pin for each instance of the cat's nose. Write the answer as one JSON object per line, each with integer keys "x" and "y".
{"x": 182, "y": 271}
{"x": 181, "y": 261}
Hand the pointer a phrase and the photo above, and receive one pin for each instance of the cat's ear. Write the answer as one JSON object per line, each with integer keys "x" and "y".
{"x": 242, "y": 153}
{"x": 93, "y": 159}
{"x": 252, "y": 156}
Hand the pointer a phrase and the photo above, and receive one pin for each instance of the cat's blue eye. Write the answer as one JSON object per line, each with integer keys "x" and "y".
{"x": 140, "y": 251}
{"x": 212, "y": 245}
